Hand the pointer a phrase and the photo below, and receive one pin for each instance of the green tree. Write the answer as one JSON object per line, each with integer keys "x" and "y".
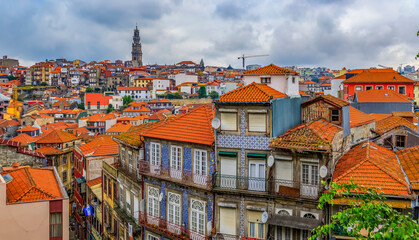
{"x": 110, "y": 108}
{"x": 127, "y": 100}
{"x": 177, "y": 95}
{"x": 202, "y": 92}
{"x": 368, "y": 211}
{"x": 214, "y": 95}
{"x": 10, "y": 77}
{"x": 97, "y": 90}
{"x": 44, "y": 84}
{"x": 89, "y": 90}
{"x": 80, "y": 106}
{"x": 169, "y": 96}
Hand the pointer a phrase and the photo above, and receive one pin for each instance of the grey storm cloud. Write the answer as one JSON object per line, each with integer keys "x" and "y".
{"x": 328, "y": 33}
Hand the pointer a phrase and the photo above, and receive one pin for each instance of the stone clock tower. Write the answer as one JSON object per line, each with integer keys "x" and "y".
{"x": 137, "y": 54}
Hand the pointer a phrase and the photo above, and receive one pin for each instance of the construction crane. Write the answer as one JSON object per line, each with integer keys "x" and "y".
{"x": 251, "y": 56}
{"x": 383, "y": 66}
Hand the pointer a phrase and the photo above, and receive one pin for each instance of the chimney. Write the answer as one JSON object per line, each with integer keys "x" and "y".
{"x": 15, "y": 165}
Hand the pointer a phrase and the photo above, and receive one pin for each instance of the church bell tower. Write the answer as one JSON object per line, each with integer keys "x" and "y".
{"x": 137, "y": 54}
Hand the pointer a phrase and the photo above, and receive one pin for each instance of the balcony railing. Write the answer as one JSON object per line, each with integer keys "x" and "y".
{"x": 240, "y": 183}
{"x": 282, "y": 187}
{"x": 181, "y": 176}
{"x": 172, "y": 230}
{"x": 130, "y": 172}
{"x": 224, "y": 236}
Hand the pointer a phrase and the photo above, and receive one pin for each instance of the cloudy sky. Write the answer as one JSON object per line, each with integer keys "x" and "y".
{"x": 304, "y": 33}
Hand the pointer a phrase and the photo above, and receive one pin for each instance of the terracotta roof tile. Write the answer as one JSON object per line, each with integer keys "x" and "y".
{"x": 384, "y": 125}
{"x": 371, "y": 165}
{"x": 135, "y": 137}
{"x": 132, "y": 89}
{"x": 24, "y": 139}
{"x": 47, "y": 150}
{"x": 329, "y": 99}
{"x": 93, "y": 98}
{"x": 358, "y": 118}
{"x": 28, "y": 129}
{"x": 314, "y": 136}
{"x": 381, "y": 96}
{"x": 119, "y": 128}
{"x": 379, "y": 116}
{"x": 378, "y": 76}
{"x": 409, "y": 158}
{"x": 252, "y": 93}
{"x": 94, "y": 182}
{"x": 32, "y": 184}
{"x": 193, "y": 127}
{"x": 404, "y": 114}
{"x": 57, "y": 136}
{"x": 270, "y": 70}
{"x": 100, "y": 146}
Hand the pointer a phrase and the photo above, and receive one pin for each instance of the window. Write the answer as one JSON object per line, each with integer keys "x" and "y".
{"x": 368, "y": 88}
{"x": 379, "y": 87}
{"x": 310, "y": 174}
{"x": 335, "y": 113}
{"x": 64, "y": 176}
{"x": 257, "y": 122}
{"x": 402, "y": 90}
{"x": 400, "y": 141}
{"x": 173, "y": 215}
{"x": 104, "y": 184}
{"x": 123, "y": 156}
{"x": 65, "y": 160}
{"x": 390, "y": 88}
{"x": 256, "y": 230}
{"x": 283, "y": 233}
{"x": 153, "y": 202}
{"x": 176, "y": 162}
{"x": 229, "y": 121}
{"x": 200, "y": 162}
{"x": 130, "y": 161}
{"x": 155, "y": 154}
{"x": 358, "y": 88}
{"x": 198, "y": 216}
{"x": 388, "y": 142}
{"x": 152, "y": 237}
{"x": 121, "y": 195}
{"x": 293, "y": 79}
{"x": 55, "y": 225}
{"x": 128, "y": 199}
{"x": 265, "y": 80}
{"x": 309, "y": 215}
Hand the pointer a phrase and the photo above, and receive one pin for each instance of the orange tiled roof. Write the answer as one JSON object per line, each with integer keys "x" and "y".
{"x": 404, "y": 114}
{"x": 24, "y": 139}
{"x": 47, "y": 150}
{"x": 381, "y": 96}
{"x": 327, "y": 98}
{"x": 384, "y": 125}
{"x": 378, "y": 76}
{"x": 100, "y": 146}
{"x": 138, "y": 104}
{"x": 57, "y": 136}
{"x": 32, "y": 184}
{"x": 270, "y": 70}
{"x": 119, "y": 128}
{"x": 135, "y": 137}
{"x": 28, "y": 129}
{"x": 8, "y": 123}
{"x": 252, "y": 93}
{"x": 314, "y": 136}
{"x": 358, "y": 118}
{"x": 379, "y": 116}
{"x": 193, "y": 127}
{"x": 409, "y": 158}
{"x": 371, "y": 165}
{"x": 94, "y": 182}
{"x": 132, "y": 89}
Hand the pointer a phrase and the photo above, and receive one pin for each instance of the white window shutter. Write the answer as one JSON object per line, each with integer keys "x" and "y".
{"x": 284, "y": 170}
{"x": 257, "y": 122}
{"x": 229, "y": 121}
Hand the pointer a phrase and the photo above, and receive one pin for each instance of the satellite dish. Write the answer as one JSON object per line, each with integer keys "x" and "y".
{"x": 323, "y": 171}
{"x": 160, "y": 197}
{"x": 264, "y": 217}
{"x": 215, "y": 123}
{"x": 270, "y": 160}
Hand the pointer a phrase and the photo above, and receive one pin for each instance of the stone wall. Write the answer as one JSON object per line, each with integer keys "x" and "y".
{"x": 8, "y": 155}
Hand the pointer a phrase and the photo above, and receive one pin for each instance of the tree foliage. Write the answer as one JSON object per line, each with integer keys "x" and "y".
{"x": 44, "y": 84}
{"x": 214, "y": 95}
{"x": 127, "y": 100}
{"x": 367, "y": 212}
{"x": 89, "y": 90}
{"x": 110, "y": 108}
{"x": 202, "y": 92}
{"x": 80, "y": 106}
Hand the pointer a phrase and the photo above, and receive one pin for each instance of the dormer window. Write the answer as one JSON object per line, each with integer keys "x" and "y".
{"x": 335, "y": 115}
{"x": 265, "y": 80}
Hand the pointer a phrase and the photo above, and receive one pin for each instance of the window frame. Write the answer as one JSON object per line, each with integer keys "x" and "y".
{"x": 391, "y": 87}
{"x": 400, "y": 141}
{"x": 257, "y": 113}
{"x": 174, "y": 208}
{"x": 199, "y": 214}
{"x": 356, "y": 86}
{"x": 311, "y": 179}
{"x": 198, "y": 162}
{"x": 153, "y": 203}
{"x": 56, "y": 226}
{"x": 331, "y": 115}
{"x": 236, "y": 121}
{"x": 155, "y": 153}
{"x": 379, "y": 87}
{"x": 370, "y": 87}
{"x": 176, "y": 157}
{"x": 403, "y": 87}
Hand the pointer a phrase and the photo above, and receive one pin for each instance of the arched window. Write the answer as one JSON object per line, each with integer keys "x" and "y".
{"x": 283, "y": 212}
{"x": 309, "y": 215}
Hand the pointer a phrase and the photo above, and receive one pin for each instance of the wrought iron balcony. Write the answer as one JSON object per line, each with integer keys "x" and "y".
{"x": 123, "y": 214}
{"x": 181, "y": 176}
{"x": 170, "y": 229}
{"x": 280, "y": 187}
{"x": 129, "y": 172}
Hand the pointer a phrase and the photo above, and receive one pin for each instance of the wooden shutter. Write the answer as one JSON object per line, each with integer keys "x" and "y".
{"x": 229, "y": 121}
{"x": 257, "y": 122}
{"x": 283, "y": 170}
{"x": 228, "y": 220}
{"x": 228, "y": 166}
